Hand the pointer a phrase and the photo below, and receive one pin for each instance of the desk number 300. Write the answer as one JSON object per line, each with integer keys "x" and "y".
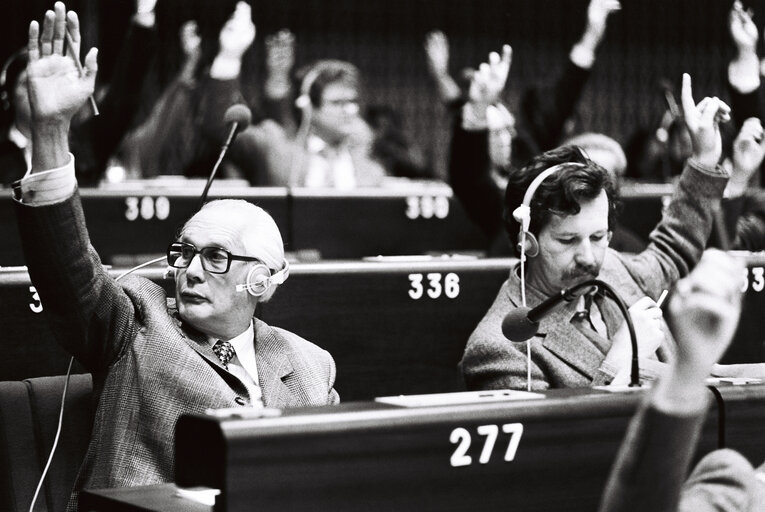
{"x": 461, "y": 437}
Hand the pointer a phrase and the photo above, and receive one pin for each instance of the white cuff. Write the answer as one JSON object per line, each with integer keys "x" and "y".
{"x": 46, "y": 187}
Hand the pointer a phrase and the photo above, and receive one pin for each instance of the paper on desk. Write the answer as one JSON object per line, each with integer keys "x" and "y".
{"x": 464, "y": 397}
{"x": 203, "y": 495}
{"x": 736, "y": 381}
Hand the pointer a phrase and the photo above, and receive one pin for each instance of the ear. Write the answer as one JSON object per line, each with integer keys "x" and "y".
{"x": 610, "y": 235}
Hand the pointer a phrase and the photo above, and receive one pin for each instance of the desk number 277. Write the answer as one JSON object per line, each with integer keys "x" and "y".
{"x": 461, "y": 437}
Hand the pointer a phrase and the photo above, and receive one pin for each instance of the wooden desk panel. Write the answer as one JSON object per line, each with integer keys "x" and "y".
{"x": 140, "y": 221}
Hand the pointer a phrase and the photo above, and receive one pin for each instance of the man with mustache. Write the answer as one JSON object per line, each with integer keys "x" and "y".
{"x": 586, "y": 342}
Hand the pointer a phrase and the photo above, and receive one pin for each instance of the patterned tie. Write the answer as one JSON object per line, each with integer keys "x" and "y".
{"x": 225, "y": 352}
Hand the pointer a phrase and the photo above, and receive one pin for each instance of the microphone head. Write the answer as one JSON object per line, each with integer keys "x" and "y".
{"x": 516, "y": 325}
{"x": 239, "y": 114}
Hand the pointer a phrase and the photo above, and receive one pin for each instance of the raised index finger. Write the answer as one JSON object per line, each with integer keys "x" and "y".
{"x": 686, "y": 96}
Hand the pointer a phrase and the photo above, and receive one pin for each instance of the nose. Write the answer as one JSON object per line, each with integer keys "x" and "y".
{"x": 584, "y": 254}
{"x": 195, "y": 272}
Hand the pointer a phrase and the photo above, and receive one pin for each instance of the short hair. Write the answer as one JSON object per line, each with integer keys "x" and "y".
{"x": 560, "y": 193}
{"x": 316, "y": 77}
{"x": 261, "y": 237}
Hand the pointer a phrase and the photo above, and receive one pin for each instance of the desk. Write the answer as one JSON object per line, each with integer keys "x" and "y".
{"x": 418, "y": 218}
{"x": 140, "y": 221}
{"x": 371, "y": 222}
{"x": 550, "y": 454}
{"x": 394, "y": 326}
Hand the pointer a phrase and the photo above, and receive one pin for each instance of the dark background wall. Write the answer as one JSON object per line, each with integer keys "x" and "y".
{"x": 649, "y": 40}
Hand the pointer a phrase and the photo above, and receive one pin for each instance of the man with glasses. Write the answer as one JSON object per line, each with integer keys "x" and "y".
{"x": 150, "y": 362}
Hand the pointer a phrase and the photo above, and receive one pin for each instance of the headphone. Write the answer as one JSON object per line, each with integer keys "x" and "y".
{"x": 260, "y": 279}
{"x": 303, "y": 101}
{"x": 527, "y": 242}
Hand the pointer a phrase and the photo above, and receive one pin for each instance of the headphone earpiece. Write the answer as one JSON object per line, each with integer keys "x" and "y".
{"x": 303, "y": 102}
{"x": 260, "y": 279}
{"x": 528, "y": 245}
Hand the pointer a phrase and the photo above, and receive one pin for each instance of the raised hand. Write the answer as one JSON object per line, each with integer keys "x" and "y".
{"x": 56, "y": 87}
{"x": 238, "y": 33}
{"x": 489, "y": 81}
{"x": 704, "y": 310}
{"x": 748, "y": 153}
{"x": 280, "y": 52}
{"x": 742, "y": 28}
{"x": 703, "y": 121}
{"x": 597, "y": 15}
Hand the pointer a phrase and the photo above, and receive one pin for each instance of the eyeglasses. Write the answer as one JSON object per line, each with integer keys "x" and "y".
{"x": 214, "y": 259}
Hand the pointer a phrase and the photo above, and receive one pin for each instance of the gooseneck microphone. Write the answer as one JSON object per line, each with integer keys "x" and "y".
{"x": 237, "y": 117}
{"x": 522, "y": 323}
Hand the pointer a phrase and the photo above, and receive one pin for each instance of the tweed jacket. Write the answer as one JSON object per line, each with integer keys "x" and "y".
{"x": 562, "y": 354}
{"x": 148, "y": 366}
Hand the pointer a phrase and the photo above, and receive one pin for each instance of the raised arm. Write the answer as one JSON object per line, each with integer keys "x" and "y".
{"x": 89, "y": 312}
{"x": 678, "y": 241}
{"x": 546, "y": 111}
{"x": 437, "y": 57}
{"x": 653, "y": 461}
{"x": 469, "y": 162}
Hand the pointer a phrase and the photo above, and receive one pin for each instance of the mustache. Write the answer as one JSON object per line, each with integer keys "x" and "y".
{"x": 581, "y": 271}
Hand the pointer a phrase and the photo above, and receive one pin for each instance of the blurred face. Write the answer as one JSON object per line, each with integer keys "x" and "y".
{"x": 501, "y": 145}
{"x": 571, "y": 247}
{"x": 210, "y": 302}
{"x": 337, "y": 116}
{"x": 20, "y": 101}
{"x": 608, "y": 160}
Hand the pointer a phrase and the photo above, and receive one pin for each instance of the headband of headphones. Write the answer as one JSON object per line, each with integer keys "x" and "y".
{"x": 522, "y": 213}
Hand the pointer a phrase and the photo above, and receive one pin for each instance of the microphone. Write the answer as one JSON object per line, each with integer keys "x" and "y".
{"x": 237, "y": 117}
{"x": 522, "y": 323}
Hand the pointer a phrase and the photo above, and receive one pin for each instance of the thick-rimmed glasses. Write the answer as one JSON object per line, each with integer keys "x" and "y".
{"x": 214, "y": 259}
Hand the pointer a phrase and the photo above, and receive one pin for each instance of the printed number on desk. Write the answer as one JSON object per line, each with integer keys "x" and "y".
{"x": 757, "y": 279}
{"x": 435, "y": 288}
{"x": 36, "y": 304}
{"x": 427, "y": 207}
{"x": 490, "y": 433}
{"x": 147, "y": 208}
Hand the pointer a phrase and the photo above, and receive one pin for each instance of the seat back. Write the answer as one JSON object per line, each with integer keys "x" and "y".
{"x": 29, "y": 413}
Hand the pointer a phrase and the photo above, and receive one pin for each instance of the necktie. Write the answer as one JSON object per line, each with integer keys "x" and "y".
{"x": 225, "y": 352}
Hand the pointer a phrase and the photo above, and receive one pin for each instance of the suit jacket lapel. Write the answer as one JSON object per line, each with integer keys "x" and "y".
{"x": 558, "y": 334}
{"x": 274, "y": 366}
